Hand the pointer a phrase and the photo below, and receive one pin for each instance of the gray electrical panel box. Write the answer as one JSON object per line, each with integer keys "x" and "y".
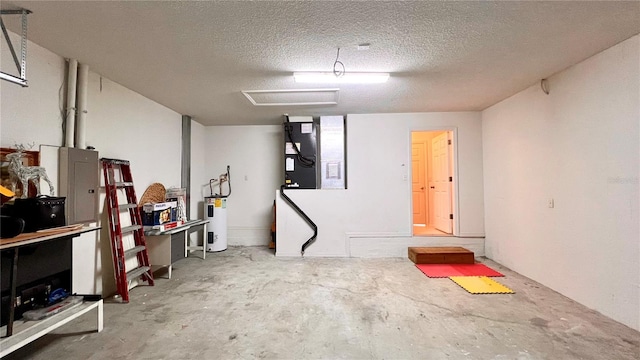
{"x": 79, "y": 175}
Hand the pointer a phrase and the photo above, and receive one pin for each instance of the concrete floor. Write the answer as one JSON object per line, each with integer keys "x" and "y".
{"x": 245, "y": 303}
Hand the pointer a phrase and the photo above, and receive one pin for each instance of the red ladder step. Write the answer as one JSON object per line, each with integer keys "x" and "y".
{"x": 116, "y": 230}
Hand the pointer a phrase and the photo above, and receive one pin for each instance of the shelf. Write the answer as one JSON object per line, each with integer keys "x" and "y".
{"x": 161, "y": 244}
{"x": 188, "y": 224}
{"x": 25, "y": 332}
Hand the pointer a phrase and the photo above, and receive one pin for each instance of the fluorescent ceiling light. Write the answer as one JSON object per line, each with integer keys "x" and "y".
{"x": 349, "y": 77}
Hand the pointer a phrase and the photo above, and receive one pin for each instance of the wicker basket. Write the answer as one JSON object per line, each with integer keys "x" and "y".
{"x": 155, "y": 193}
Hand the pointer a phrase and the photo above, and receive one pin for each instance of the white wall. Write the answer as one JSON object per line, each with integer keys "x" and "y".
{"x": 40, "y": 103}
{"x": 579, "y": 146}
{"x": 120, "y": 124}
{"x": 254, "y": 154}
{"x": 373, "y": 217}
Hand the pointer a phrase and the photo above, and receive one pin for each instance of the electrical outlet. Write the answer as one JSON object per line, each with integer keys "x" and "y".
{"x": 551, "y": 204}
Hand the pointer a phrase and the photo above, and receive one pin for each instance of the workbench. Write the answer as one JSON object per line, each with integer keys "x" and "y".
{"x": 18, "y": 333}
{"x": 168, "y": 246}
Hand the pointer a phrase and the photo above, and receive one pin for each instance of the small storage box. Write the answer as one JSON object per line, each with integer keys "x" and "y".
{"x": 441, "y": 255}
{"x": 179, "y": 195}
{"x": 158, "y": 214}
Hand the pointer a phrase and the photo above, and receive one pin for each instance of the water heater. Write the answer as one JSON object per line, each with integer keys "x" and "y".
{"x": 215, "y": 211}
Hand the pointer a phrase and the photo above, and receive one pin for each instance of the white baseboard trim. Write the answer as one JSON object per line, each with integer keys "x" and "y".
{"x": 471, "y": 235}
{"x": 287, "y": 254}
{"x": 369, "y": 235}
{"x": 375, "y": 245}
{"x": 307, "y": 255}
{"x": 248, "y": 236}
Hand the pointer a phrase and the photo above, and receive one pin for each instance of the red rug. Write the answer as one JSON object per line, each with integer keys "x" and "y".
{"x": 446, "y": 270}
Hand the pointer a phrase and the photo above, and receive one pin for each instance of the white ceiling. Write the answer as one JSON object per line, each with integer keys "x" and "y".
{"x": 195, "y": 57}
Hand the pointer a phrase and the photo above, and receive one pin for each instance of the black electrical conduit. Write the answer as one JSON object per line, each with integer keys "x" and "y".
{"x": 312, "y": 239}
{"x": 306, "y": 162}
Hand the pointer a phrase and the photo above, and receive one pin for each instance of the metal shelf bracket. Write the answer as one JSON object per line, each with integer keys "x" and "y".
{"x": 21, "y": 64}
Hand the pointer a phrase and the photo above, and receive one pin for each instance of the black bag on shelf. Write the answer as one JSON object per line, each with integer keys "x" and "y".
{"x": 41, "y": 212}
{"x": 10, "y": 226}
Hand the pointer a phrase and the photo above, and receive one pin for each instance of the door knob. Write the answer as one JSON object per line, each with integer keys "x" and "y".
{"x": 422, "y": 188}
{"x": 432, "y": 187}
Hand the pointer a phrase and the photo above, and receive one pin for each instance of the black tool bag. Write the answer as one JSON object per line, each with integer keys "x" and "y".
{"x": 42, "y": 212}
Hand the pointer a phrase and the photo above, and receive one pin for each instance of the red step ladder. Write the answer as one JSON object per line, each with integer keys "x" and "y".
{"x": 116, "y": 230}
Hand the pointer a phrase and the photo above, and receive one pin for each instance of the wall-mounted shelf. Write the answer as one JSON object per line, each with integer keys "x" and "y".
{"x": 28, "y": 331}
{"x": 18, "y": 333}
{"x": 22, "y": 63}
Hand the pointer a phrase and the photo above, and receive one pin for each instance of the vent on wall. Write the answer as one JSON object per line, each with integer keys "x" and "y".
{"x": 292, "y": 97}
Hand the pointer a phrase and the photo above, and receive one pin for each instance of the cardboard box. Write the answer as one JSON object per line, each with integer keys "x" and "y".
{"x": 158, "y": 214}
{"x": 179, "y": 195}
{"x": 163, "y": 227}
{"x": 441, "y": 255}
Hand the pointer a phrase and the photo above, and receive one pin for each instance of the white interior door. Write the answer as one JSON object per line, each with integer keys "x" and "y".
{"x": 441, "y": 172}
{"x": 418, "y": 180}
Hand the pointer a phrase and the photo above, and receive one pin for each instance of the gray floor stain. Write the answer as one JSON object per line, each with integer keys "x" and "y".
{"x": 539, "y": 322}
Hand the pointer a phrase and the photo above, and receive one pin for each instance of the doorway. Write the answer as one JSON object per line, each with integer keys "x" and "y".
{"x": 432, "y": 182}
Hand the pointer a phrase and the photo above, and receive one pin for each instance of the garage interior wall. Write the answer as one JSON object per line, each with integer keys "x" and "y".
{"x": 254, "y": 155}
{"x": 579, "y": 146}
{"x": 527, "y": 149}
{"x": 120, "y": 124}
{"x": 373, "y": 216}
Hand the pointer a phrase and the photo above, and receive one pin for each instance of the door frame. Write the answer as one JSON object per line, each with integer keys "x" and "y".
{"x": 454, "y": 169}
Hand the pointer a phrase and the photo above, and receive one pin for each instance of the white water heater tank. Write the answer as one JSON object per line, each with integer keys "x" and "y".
{"x": 215, "y": 210}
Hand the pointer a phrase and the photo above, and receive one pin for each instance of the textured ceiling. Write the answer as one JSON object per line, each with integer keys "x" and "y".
{"x": 195, "y": 57}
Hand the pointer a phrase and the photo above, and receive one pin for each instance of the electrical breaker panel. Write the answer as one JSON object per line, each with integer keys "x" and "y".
{"x": 300, "y": 155}
{"x": 79, "y": 173}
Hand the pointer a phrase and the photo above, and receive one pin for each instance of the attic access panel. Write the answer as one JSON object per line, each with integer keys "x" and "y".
{"x": 292, "y": 97}
{"x": 21, "y": 64}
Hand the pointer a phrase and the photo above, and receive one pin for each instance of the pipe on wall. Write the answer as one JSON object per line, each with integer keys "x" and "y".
{"x": 83, "y": 79}
{"x": 70, "y": 123}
